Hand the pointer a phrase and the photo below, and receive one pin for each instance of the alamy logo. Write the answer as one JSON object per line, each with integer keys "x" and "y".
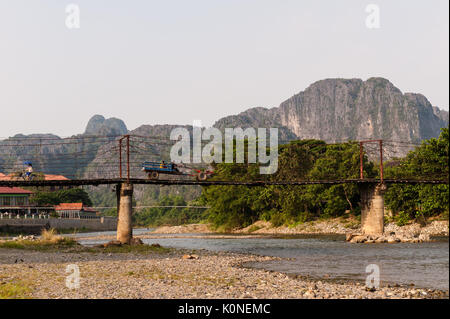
{"x": 373, "y": 279}
{"x": 73, "y": 16}
{"x": 373, "y": 19}
{"x": 256, "y": 141}
{"x": 73, "y": 279}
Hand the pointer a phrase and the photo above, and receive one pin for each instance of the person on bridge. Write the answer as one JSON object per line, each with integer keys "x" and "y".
{"x": 162, "y": 165}
{"x": 29, "y": 170}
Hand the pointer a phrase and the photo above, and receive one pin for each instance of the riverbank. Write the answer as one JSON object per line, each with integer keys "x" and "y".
{"x": 169, "y": 274}
{"x": 338, "y": 226}
{"x": 184, "y": 229}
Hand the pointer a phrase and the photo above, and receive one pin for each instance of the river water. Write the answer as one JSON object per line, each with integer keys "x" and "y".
{"x": 425, "y": 265}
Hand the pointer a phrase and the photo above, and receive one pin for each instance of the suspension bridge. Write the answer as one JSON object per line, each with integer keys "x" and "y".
{"x": 117, "y": 160}
{"x": 174, "y": 182}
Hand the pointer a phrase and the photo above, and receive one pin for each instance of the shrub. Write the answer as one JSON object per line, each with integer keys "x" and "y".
{"x": 402, "y": 219}
{"x": 278, "y": 219}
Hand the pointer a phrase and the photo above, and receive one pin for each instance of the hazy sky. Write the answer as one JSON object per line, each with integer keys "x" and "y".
{"x": 175, "y": 61}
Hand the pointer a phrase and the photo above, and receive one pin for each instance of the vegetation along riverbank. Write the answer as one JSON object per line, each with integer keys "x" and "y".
{"x": 296, "y": 208}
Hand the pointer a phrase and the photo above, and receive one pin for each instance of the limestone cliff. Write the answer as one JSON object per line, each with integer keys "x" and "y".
{"x": 337, "y": 110}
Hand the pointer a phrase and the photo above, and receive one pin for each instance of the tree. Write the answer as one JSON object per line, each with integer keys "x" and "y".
{"x": 239, "y": 206}
{"x": 74, "y": 195}
{"x": 157, "y": 216}
{"x": 429, "y": 161}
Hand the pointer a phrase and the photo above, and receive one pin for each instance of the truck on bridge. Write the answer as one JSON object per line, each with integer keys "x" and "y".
{"x": 154, "y": 169}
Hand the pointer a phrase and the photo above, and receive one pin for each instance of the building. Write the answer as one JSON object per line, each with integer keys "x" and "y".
{"x": 15, "y": 200}
{"x": 75, "y": 210}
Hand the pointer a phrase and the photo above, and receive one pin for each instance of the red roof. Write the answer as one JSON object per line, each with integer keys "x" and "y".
{"x": 47, "y": 177}
{"x": 69, "y": 206}
{"x": 14, "y": 190}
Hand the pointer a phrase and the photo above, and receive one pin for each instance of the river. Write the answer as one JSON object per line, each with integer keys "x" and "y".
{"x": 426, "y": 265}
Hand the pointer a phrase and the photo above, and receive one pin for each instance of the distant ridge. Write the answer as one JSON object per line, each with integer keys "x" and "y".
{"x": 332, "y": 110}
{"x": 336, "y": 110}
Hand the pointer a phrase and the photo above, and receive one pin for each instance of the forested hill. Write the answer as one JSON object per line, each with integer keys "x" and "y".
{"x": 52, "y": 154}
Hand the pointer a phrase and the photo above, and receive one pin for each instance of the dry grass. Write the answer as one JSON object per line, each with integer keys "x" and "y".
{"x": 11, "y": 290}
{"x": 50, "y": 240}
{"x": 51, "y": 236}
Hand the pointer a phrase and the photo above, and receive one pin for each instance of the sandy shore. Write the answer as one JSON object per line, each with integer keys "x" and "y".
{"x": 168, "y": 275}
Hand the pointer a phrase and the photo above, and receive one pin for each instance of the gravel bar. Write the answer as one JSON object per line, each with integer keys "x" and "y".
{"x": 172, "y": 275}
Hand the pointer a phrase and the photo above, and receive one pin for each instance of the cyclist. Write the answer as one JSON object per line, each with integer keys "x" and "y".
{"x": 29, "y": 170}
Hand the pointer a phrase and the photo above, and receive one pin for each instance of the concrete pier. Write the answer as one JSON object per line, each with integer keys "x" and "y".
{"x": 125, "y": 205}
{"x": 372, "y": 209}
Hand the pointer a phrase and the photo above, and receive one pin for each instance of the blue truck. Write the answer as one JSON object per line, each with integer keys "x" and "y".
{"x": 154, "y": 169}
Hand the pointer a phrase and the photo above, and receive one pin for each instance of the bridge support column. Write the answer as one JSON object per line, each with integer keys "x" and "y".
{"x": 372, "y": 209}
{"x": 125, "y": 210}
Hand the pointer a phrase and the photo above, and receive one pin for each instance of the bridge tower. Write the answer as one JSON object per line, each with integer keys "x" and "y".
{"x": 372, "y": 208}
{"x": 125, "y": 210}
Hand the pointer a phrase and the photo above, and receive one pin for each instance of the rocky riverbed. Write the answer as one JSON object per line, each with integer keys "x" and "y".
{"x": 412, "y": 232}
{"x": 174, "y": 275}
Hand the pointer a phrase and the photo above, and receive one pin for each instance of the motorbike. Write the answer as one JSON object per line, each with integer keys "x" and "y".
{"x": 26, "y": 177}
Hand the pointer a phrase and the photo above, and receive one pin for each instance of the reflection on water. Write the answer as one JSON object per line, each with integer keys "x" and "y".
{"x": 425, "y": 265}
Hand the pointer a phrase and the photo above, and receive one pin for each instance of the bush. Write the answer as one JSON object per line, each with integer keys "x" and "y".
{"x": 402, "y": 219}
{"x": 51, "y": 235}
{"x": 278, "y": 220}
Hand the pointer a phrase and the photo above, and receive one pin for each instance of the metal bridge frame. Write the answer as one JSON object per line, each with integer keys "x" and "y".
{"x": 137, "y": 181}
{"x": 361, "y": 157}
{"x": 125, "y": 137}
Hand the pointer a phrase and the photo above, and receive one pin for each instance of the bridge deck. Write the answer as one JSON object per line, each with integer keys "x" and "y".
{"x": 97, "y": 182}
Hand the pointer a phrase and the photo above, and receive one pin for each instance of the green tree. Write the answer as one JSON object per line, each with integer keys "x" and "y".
{"x": 428, "y": 161}
{"x": 239, "y": 206}
{"x": 74, "y": 195}
{"x": 157, "y": 216}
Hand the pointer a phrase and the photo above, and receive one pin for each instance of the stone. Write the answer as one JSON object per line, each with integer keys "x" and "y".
{"x": 112, "y": 243}
{"x": 359, "y": 239}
